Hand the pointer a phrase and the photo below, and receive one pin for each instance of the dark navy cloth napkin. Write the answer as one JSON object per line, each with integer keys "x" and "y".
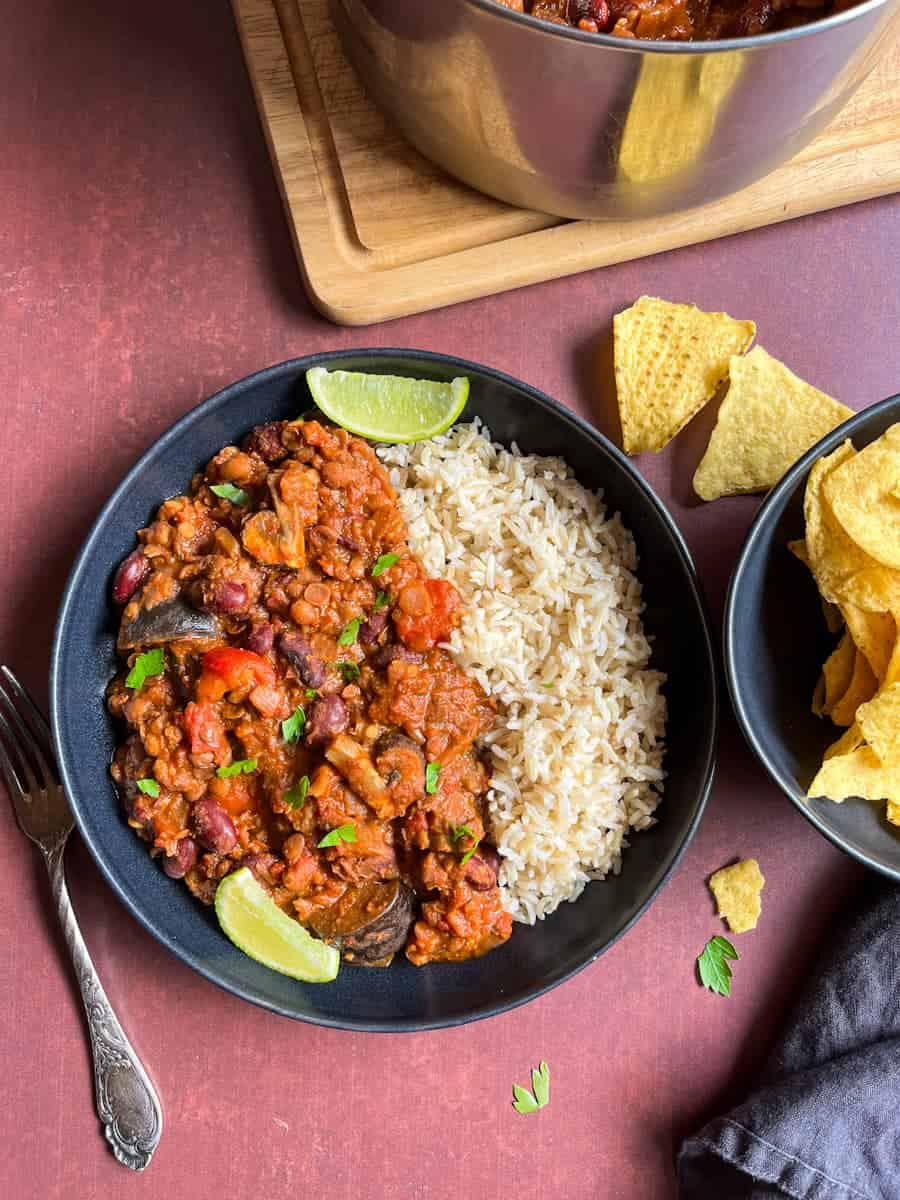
{"x": 824, "y": 1120}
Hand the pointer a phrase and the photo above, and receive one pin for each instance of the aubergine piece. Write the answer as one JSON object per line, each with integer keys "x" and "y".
{"x": 369, "y": 923}
{"x": 171, "y": 621}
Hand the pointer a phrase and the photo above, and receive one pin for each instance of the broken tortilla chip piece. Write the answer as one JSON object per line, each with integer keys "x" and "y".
{"x": 669, "y": 361}
{"x": 863, "y": 686}
{"x": 838, "y": 672}
{"x": 858, "y": 773}
{"x": 798, "y": 549}
{"x": 879, "y": 722}
{"x": 834, "y": 622}
{"x": 850, "y": 739}
{"x": 861, "y": 495}
{"x": 874, "y": 634}
{"x": 768, "y": 419}
{"x": 893, "y": 812}
{"x": 737, "y": 891}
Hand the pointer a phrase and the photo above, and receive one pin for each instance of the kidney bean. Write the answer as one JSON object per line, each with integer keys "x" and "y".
{"x": 228, "y": 597}
{"x": 132, "y": 572}
{"x": 177, "y": 865}
{"x": 481, "y": 869}
{"x": 265, "y": 441}
{"x": 388, "y": 654}
{"x": 326, "y": 718}
{"x": 297, "y": 650}
{"x": 213, "y": 826}
{"x": 601, "y": 14}
{"x": 372, "y": 628}
{"x": 490, "y": 855}
{"x": 260, "y": 637}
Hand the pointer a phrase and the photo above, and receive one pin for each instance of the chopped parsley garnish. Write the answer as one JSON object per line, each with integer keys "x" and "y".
{"x": 382, "y": 600}
{"x": 292, "y": 728}
{"x": 384, "y": 563}
{"x": 295, "y": 796}
{"x": 343, "y": 833}
{"x": 152, "y": 662}
{"x": 432, "y": 773}
{"x": 546, "y": 685}
{"x": 243, "y": 766}
{"x": 311, "y": 693}
{"x": 524, "y": 1101}
{"x": 349, "y": 670}
{"x": 715, "y": 973}
{"x": 471, "y": 850}
{"x": 227, "y": 491}
{"x": 349, "y": 632}
{"x": 149, "y": 787}
{"x": 458, "y": 832}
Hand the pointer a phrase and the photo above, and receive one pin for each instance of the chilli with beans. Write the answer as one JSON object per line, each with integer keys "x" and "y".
{"x": 679, "y": 20}
{"x": 289, "y": 708}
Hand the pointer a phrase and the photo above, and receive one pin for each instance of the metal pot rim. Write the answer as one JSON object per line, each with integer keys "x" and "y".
{"x": 648, "y": 46}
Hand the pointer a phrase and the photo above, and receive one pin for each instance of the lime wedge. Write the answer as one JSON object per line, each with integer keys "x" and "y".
{"x": 387, "y": 408}
{"x": 256, "y": 925}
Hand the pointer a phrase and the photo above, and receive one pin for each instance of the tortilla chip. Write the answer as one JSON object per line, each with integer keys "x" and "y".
{"x": 838, "y": 672}
{"x": 893, "y": 812}
{"x": 669, "y": 362}
{"x": 879, "y": 722}
{"x": 768, "y": 419}
{"x": 834, "y": 622}
{"x": 798, "y": 549}
{"x": 874, "y": 634}
{"x": 863, "y": 687}
{"x": 737, "y": 891}
{"x": 856, "y": 774}
{"x": 861, "y": 495}
{"x": 892, "y": 674}
{"x": 844, "y": 572}
{"x": 850, "y": 740}
{"x": 817, "y": 704}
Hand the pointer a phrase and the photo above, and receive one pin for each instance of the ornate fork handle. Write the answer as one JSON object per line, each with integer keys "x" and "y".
{"x": 127, "y": 1103}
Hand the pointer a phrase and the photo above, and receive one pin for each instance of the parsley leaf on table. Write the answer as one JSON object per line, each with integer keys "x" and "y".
{"x": 524, "y": 1101}
{"x": 715, "y": 973}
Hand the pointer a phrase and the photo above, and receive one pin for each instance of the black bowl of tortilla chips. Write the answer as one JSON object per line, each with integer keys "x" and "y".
{"x": 816, "y": 585}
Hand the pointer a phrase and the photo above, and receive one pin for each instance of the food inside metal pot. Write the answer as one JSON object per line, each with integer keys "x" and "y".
{"x": 679, "y": 20}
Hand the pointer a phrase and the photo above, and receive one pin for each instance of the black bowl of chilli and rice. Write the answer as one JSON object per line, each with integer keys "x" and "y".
{"x": 679, "y": 644}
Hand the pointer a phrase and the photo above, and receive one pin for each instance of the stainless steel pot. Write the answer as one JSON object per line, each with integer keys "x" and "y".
{"x": 586, "y": 125}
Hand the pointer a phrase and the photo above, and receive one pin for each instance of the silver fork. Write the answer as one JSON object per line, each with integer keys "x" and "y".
{"x": 127, "y": 1102}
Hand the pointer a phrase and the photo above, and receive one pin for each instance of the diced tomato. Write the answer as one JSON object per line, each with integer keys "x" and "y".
{"x": 426, "y": 613}
{"x": 237, "y": 795}
{"x": 205, "y": 731}
{"x": 229, "y": 670}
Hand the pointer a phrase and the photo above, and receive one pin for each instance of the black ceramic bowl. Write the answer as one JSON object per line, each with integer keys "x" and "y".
{"x": 403, "y": 997}
{"x": 775, "y": 644}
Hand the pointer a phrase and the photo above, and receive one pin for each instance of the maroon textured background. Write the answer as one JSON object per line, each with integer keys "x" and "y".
{"x": 144, "y": 262}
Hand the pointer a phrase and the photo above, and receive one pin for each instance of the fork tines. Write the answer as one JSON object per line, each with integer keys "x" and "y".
{"x": 26, "y": 746}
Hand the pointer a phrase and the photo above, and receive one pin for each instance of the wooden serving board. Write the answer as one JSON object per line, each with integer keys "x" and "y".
{"x": 381, "y": 233}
